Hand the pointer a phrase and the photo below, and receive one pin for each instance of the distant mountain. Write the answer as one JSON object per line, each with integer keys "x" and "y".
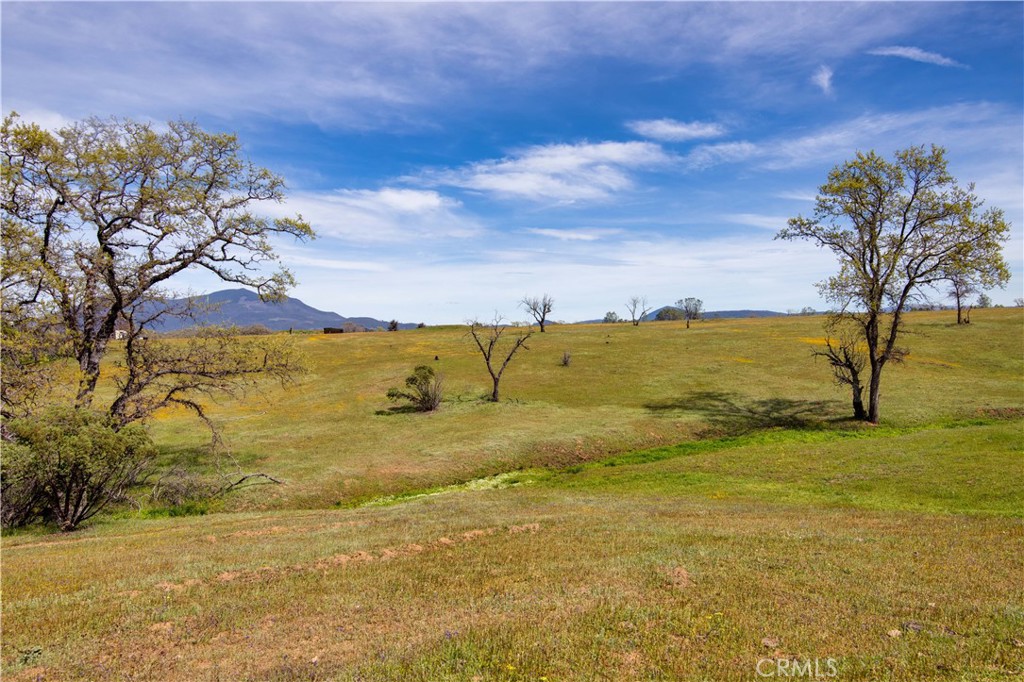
{"x": 242, "y": 307}
{"x": 721, "y": 314}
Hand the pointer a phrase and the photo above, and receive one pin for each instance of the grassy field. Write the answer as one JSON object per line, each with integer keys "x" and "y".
{"x": 674, "y": 504}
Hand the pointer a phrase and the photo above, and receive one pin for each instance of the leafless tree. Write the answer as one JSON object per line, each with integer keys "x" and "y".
{"x": 487, "y": 337}
{"x": 539, "y": 308}
{"x": 847, "y": 360}
{"x": 638, "y": 309}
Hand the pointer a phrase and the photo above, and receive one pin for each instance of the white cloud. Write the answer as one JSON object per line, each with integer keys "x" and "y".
{"x": 586, "y": 279}
{"x": 45, "y": 119}
{"x": 562, "y": 173}
{"x": 764, "y": 222}
{"x": 368, "y": 65}
{"x": 571, "y": 235}
{"x": 295, "y": 257}
{"x": 670, "y": 130}
{"x": 798, "y": 195}
{"x": 964, "y": 128}
{"x": 708, "y": 155}
{"x": 823, "y": 79}
{"x": 916, "y": 54}
{"x": 385, "y": 215}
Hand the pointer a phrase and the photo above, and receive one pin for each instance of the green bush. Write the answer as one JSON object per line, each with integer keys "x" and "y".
{"x": 423, "y": 388}
{"x": 66, "y": 465}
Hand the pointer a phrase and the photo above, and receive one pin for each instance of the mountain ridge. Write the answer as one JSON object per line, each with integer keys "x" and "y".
{"x": 241, "y": 307}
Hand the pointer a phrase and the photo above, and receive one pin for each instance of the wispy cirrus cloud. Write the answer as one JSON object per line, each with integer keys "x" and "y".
{"x": 764, "y": 222}
{"x": 324, "y": 62}
{"x": 573, "y": 235}
{"x": 670, "y": 130}
{"x": 709, "y": 155}
{"x": 385, "y": 215}
{"x": 560, "y": 173}
{"x": 968, "y": 126}
{"x": 916, "y": 54}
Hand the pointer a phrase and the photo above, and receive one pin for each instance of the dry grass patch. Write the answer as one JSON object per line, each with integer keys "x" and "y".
{"x": 528, "y": 582}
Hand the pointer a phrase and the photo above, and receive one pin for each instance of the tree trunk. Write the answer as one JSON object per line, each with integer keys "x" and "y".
{"x": 858, "y": 402}
{"x": 89, "y": 363}
{"x": 959, "y": 311}
{"x": 873, "y": 393}
{"x": 494, "y": 393}
{"x": 687, "y": 323}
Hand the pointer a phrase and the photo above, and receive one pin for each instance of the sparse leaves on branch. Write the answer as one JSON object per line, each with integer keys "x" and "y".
{"x": 691, "y": 309}
{"x": 215, "y": 361}
{"x": 98, "y": 219}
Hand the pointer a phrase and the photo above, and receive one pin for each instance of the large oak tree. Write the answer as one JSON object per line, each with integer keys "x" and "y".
{"x": 99, "y": 217}
{"x": 896, "y": 227}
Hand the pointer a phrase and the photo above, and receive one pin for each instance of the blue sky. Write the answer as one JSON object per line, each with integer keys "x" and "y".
{"x": 456, "y": 157}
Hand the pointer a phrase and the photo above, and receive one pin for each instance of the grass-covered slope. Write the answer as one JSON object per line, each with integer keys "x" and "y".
{"x": 895, "y": 555}
{"x": 758, "y": 529}
{"x": 333, "y": 438}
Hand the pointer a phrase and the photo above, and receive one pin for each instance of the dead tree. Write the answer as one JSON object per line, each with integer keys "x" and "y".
{"x": 638, "y": 309}
{"x": 539, "y": 308}
{"x": 487, "y": 337}
{"x": 847, "y": 362}
{"x": 847, "y": 354}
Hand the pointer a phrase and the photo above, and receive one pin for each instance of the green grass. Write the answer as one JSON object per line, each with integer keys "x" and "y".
{"x": 658, "y": 510}
{"x": 627, "y": 388}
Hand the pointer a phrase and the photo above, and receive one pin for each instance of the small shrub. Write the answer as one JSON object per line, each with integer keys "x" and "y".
{"x": 67, "y": 465}
{"x": 423, "y": 388}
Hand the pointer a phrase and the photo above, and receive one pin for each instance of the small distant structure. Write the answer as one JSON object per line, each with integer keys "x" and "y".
{"x": 120, "y": 334}
{"x": 347, "y": 328}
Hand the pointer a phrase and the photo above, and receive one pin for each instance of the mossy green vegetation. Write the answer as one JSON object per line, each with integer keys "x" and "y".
{"x": 657, "y": 510}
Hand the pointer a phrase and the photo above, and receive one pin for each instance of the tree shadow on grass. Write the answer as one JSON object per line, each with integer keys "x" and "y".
{"x": 730, "y": 414}
{"x": 397, "y": 409}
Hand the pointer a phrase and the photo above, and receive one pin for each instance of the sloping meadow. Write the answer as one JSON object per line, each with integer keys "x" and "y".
{"x": 672, "y": 504}
{"x": 336, "y": 439}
